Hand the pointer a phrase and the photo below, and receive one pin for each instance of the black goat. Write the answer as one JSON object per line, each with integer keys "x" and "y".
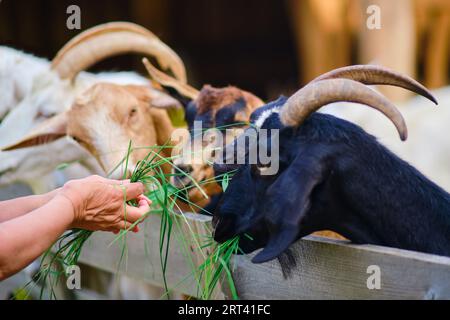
{"x": 333, "y": 175}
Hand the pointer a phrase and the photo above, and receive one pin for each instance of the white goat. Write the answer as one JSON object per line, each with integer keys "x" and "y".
{"x": 51, "y": 88}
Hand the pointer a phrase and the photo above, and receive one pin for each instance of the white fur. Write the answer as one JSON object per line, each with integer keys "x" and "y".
{"x": 265, "y": 115}
{"x": 109, "y": 139}
{"x": 17, "y": 71}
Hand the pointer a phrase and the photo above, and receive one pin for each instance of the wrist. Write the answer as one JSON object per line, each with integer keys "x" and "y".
{"x": 71, "y": 192}
{"x": 66, "y": 207}
{"x": 47, "y": 197}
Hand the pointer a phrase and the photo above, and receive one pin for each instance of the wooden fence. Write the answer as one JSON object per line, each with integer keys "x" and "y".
{"x": 326, "y": 269}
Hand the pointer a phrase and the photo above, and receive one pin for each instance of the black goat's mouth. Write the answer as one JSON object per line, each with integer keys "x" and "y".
{"x": 225, "y": 229}
{"x": 247, "y": 244}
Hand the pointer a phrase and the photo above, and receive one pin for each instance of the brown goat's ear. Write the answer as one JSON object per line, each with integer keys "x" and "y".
{"x": 180, "y": 88}
{"x": 48, "y": 131}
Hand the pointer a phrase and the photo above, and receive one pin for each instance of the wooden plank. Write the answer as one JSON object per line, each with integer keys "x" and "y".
{"x": 142, "y": 259}
{"x": 8, "y": 286}
{"x": 328, "y": 269}
{"x": 19, "y": 280}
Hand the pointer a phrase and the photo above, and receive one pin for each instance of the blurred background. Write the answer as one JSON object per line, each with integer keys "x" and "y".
{"x": 267, "y": 47}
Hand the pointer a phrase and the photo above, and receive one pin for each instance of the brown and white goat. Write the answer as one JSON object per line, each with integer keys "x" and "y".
{"x": 52, "y": 89}
{"x": 104, "y": 120}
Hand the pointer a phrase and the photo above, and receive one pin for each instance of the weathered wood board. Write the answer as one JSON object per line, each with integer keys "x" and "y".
{"x": 9, "y": 285}
{"x": 326, "y": 269}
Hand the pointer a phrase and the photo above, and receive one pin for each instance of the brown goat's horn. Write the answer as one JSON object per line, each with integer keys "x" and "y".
{"x": 372, "y": 75}
{"x": 165, "y": 80}
{"x": 111, "y": 39}
{"x": 319, "y": 93}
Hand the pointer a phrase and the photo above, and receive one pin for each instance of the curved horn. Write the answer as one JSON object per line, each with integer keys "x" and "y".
{"x": 165, "y": 80}
{"x": 372, "y": 75}
{"x": 111, "y": 39}
{"x": 317, "y": 94}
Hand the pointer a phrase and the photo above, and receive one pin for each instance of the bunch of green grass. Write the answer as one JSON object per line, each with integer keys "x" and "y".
{"x": 164, "y": 196}
{"x": 217, "y": 265}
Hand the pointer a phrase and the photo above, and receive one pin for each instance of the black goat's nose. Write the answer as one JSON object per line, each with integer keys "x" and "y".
{"x": 187, "y": 169}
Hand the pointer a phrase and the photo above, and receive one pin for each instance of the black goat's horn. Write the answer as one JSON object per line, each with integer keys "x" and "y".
{"x": 319, "y": 93}
{"x": 373, "y": 75}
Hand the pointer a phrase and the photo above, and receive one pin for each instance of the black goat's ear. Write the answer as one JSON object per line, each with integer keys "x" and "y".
{"x": 277, "y": 244}
{"x": 288, "y": 200}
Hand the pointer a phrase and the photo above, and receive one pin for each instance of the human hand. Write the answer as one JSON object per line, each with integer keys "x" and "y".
{"x": 99, "y": 203}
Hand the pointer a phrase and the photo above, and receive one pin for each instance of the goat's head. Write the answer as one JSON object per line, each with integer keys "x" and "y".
{"x": 104, "y": 120}
{"x": 56, "y": 89}
{"x": 275, "y": 210}
{"x": 53, "y": 89}
{"x": 226, "y": 109}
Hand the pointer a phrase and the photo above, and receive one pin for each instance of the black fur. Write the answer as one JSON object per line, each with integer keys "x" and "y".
{"x": 333, "y": 176}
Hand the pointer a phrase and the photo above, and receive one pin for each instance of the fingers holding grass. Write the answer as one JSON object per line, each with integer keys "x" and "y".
{"x": 133, "y": 190}
{"x": 134, "y": 215}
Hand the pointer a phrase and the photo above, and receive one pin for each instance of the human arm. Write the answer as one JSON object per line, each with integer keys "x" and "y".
{"x": 93, "y": 203}
{"x": 14, "y": 208}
